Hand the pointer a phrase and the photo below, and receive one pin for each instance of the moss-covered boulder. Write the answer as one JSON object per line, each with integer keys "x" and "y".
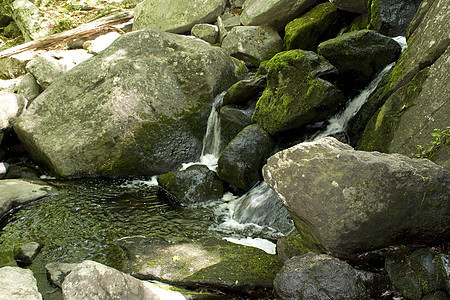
{"x": 353, "y": 201}
{"x": 296, "y": 94}
{"x": 307, "y": 31}
{"x": 232, "y": 121}
{"x": 139, "y": 107}
{"x": 358, "y": 56}
{"x": 208, "y": 262}
{"x": 295, "y": 245}
{"x": 402, "y": 276}
{"x": 245, "y": 90}
{"x": 194, "y": 185}
{"x": 241, "y": 161}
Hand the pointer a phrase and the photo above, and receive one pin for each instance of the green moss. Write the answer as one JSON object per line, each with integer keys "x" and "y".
{"x": 375, "y": 16}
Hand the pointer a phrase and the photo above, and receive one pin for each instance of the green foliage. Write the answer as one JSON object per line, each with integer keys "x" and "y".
{"x": 441, "y": 138}
{"x": 63, "y": 25}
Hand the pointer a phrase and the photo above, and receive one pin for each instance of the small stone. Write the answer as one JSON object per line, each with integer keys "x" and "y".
{"x": 57, "y": 272}
{"x": 24, "y": 254}
{"x": 207, "y": 32}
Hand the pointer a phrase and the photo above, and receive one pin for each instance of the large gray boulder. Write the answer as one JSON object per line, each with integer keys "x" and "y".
{"x": 138, "y": 107}
{"x": 274, "y": 13}
{"x": 352, "y": 201}
{"x": 18, "y": 192}
{"x": 91, "y": 280}
{"x": 18, "y": 284}
{"x": 317, "y": 277}
{"x": 296, "y": 93}
{"x": 241, "y": 42}
{"x": 175, "y": 15}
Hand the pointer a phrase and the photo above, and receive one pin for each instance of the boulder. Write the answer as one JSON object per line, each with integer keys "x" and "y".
{"x": 174, "y": 15}
{"x": 207, "y": 32}
{"x": 91, "y": 280}
{"x": 11, "y": 106}
{"x": 296, "y": 94}
{"x": 392, "y": 17}
{"x": 356, "y": 6}
{"x": 28, "y": 87}
{"x": 18, "y": 192}
{"x": 57, "y": 272}
{"x": 209, "y": 262}
{"x": 252, "y": 44}
{"x": 122, "y": 113}
{"x": 241, "y": 161}
{"x": 195, "y": 185}
{"x": 245, "y": 90}
{"x": 414, "y": 100}
{"x": 29, "y": 19}
{"x": 358, "y": 56}
{"x": 18, "y": 284}
{"x": 443, "y": 266}
{"x": 318, "y": 276}
{"x": 307, "y": 31}
{"x": 402, "y": 275}
{"x": 24, "y": 254}
{"x": 333, "y": 195}
{"x": 15, "y": 65}
{"x": 274, "y": 13}
{"x": 101, "y": 42}
{"x": 376, "y": 283}
{"x": 47, "y": 67}
{"x": 232, "y": 121}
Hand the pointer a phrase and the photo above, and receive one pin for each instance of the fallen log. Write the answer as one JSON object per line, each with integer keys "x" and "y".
{"x": 101, "y": 25}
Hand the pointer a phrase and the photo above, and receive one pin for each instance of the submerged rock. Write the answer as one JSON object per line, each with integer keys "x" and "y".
{"x": 194, "y": 185}
{"x": 296, "y": 94}
{"x": 174, "y": 15}
{"x": 18, "y": 284}
{"x": 206, "y": 262}
{"x": 333, "y": 195}
{"x": 318, "y": 276}
{"x": 137, "y": 108}
{"x": 91, "y": 280}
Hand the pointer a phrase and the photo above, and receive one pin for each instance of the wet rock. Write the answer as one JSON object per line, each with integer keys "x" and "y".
{"x": 356, "y": 6}
{"x": 18, "y": 283}
{"x": 17, "y": 192}
{"x": 307, "y": 31}
{"x": 332, "y": 193}
{"x": 358, "y": 56}
{"x": 24, "y": 254}
{"x": 57, "y": 272}
{"x": 438, "y": 295}
{"x": 121, "y": 113}
{"x": 443, "y": 266}
{"x": 402, "y": 275}
{"x": 232, "y": 121}
{"x": 296, "y": 92}
{"x": 207, "y": 262}
{"x": 176, "y": 16}
{"x": 16, "y": 172}
{"x": 207, "y": 32}
{"x": 424, "y": 265}
{"x": 241, "y": 160}
{"x": 275, "y": 13}
{"x": 294, "y": 245}
{"x": 318, "y": 276}
{"x": 376, "y": 284}
{"x": 245, "y": 90}
{"x": 91, "y": 280}
{"x": 29, "y": 88}
{"x": 252, "y": 44}
{"x": 194, "y": 185}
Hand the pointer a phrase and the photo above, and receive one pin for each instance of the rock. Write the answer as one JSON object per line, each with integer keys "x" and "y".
{"x": 29, "y": 19}
{"x": 424, "y": 265}
{"x": 121, "y": 113}
{"x": 196, "y": 184}
{"x": 28, "y": 87}
{"x": 443, "y": 266}
{"x": 333, "y": 195}
{"x": 392, "y": 18}
{"x": 207, "y": 32}
{"x": 307, "y": 31}
{"x": 91, "y": 280}
{"x": 18, "y": 192}
{"x": 3, "y": 168}
{"x": 57, "y": 272}
{"x": 18, "y": 284}
{"x": 12, "y": 30}
{"x": 274, "y": 13}
{"x": 24, "y": 254}
{"x": 232, "y": 121}
{"x": 241, "y": 160}
{"x": 296, "y": 94}
{"x": 14, "y": 66}
{"x": 101, "y": 42}
{"x": 356, "y": 6}
{"x": 245, "y": 90}
{"x": 47, "y": 67}
{"x": 176, "y": 16}
{"x": 222, "y": 30}
{"x": 11, "y": 106}
{"x": 294, "y": 245}
{"x": 402, "y": 276}
{"x": 415, "y": 96}
{"x": 232, "y": 21}
{"x": 252, "y": 44}
{"x": 318, "y": 276}
{"x": 439, "y": 295}
{"x": 24, "y": 172}
{"x": 376, "y": 284}
{"x": 358, "y": 56}
{"x": 237, "y": 3}
{"x": 207, "y": 262}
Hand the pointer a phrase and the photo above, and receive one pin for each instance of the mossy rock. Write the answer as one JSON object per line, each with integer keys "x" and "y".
{"x": 424, "y": 265}
{"x": 245, "y": 90}
{"x": 296, "y": 94}
{"x": 232, "y": 121}
{"x": 306, "y": 32}
{"x": 295, "y": 245}
{"x": 208, "y": 262}
{"x": 402, "y": 276}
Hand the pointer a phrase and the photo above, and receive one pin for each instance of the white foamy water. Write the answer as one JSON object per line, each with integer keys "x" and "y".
{"x": 260, "y": 243}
